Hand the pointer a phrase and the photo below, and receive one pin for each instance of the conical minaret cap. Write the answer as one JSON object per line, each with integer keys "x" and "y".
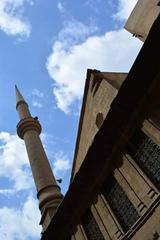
{"x": 19, "y": 97}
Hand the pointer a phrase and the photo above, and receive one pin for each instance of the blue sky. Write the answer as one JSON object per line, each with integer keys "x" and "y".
{"x": 46, "y": 48}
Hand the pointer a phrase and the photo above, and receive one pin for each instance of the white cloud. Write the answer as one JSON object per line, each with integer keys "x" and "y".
{"x": 14, "y": 163}
{"x": 22, "y": 223}
{"x": 11, "y": 21}
{"x": 37, "y": 93}
{"x": 14, "y": 166}
{"x": 75, "y": 32}
{"x": 93, "y": 4}
{"x": 76, "y": 49}
{"x": 61, "y": 163}
{"x": 37, "y": 98}
{"x": 113, "y": 51}
{"x": 124, "y": 9}
{"x": 7, "y": 192}
{"x": 61, "y": 8}
{"x": 66, "y": 86}
{"x": 37, "y": 104}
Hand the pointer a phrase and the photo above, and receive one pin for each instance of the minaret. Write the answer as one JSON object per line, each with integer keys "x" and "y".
{"x": 48, "y": 192}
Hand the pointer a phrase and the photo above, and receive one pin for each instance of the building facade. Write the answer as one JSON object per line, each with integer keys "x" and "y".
{"x": 127, "y": 203}
{"x": 142, "y": 17}
{"x": 114, "y": 191}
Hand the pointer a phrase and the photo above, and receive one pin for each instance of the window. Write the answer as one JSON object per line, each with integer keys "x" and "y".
{"x": 147, "y": 154}
{"x": 120, "y": 204}
{"x": 91, "y": 227}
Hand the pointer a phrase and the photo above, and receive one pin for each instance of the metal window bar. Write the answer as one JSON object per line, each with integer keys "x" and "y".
{"x": 146, "y": 154}
{"x": 91, "y": 227}
{"x": 120, "y": 204}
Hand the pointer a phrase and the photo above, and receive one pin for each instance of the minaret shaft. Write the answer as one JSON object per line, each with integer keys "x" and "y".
{"x": 48, "y": 192}
{"x": 39, "y": 163}
{"x": 23, "y": 110}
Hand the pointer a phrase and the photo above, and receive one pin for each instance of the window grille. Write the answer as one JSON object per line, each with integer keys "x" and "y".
{"x": 147, "y": 154}
{"x": 122, "y": 207}
{"x": 91, "y": 227}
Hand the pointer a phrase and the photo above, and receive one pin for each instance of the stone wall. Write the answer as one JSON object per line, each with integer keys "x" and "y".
{"x": 142, "y": 18}
{"x": 96, "y": 108}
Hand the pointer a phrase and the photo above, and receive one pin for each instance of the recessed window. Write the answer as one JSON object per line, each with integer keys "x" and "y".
{"x": 146, "y": 154}
{"x": 91, "y": 227}
{"x": 120, "y": 204}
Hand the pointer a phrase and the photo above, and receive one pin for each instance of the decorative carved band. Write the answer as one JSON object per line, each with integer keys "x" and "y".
{"x": 47, "y": 187}
{"x": 49, "y": 195}
{"x": 53, "y": 199}
{"x": 28, "y": 124}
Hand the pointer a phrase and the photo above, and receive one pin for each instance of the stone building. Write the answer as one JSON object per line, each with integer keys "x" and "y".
{"x": 114, "y": 193}
{"x": 142, "y": 18}
{"x": 114, "y": 190}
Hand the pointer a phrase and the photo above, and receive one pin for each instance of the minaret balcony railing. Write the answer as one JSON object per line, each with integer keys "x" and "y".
{"x": 28, "y": 124}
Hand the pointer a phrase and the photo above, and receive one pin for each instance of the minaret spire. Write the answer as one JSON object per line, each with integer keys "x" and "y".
{"x": 21, "y": 105}
{"x": 19, "y": 96}
{"x": 48, "y": 192}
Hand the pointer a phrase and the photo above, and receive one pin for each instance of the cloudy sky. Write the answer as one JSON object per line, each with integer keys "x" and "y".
{"x": 46, "y": 47}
